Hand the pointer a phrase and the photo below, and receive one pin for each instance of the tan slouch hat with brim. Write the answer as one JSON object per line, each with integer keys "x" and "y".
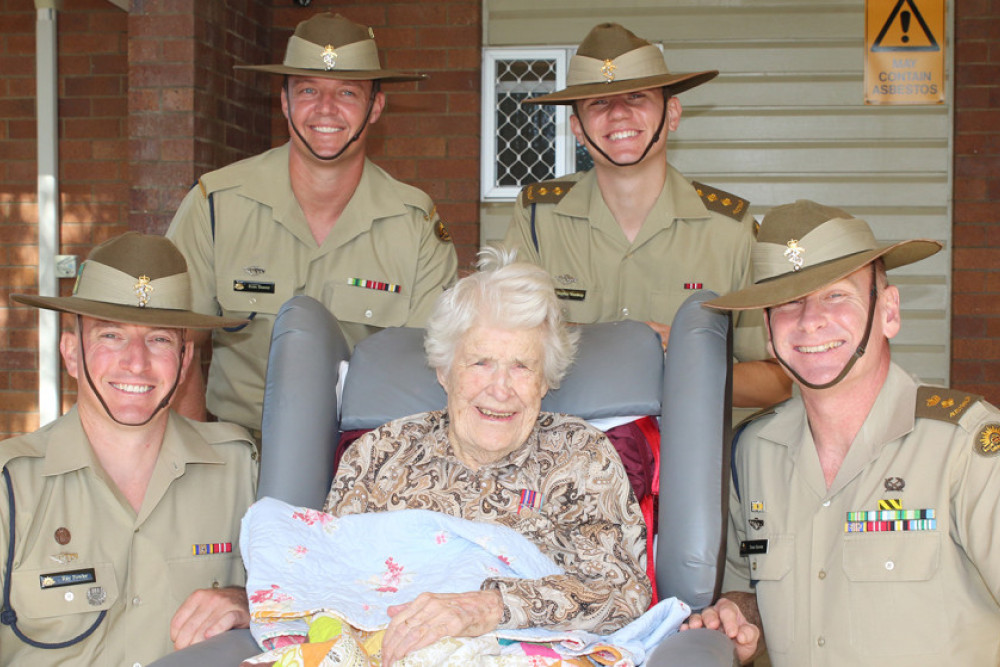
{"x": 805, "y": 246}
{"x": 611, "y": 60}
{"x": 333, "y": 47}
{"x": 135, "y": 279}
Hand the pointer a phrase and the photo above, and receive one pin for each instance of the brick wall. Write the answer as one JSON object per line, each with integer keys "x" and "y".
{"x": 190, "y": 111}
{"x": 975, "y": 330}
{"x": 93, "y": 171}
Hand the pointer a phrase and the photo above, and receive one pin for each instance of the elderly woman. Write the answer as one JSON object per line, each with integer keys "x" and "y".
{"x": 498, "y": 344}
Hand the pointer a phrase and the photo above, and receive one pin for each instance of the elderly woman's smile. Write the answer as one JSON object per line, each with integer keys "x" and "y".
{"x": 495, "y": 387}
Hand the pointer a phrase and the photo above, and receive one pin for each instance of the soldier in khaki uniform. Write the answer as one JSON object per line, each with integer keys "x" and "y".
{"x": 314, "y": 217}
{"x": 119, "y": 522}
{"x": 632, "y": 238}
{"x": 864, "y": 525}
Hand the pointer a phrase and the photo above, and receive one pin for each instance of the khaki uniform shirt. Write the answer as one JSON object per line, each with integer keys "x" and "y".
{"x": 682, "y": 247}
{"x": 564, "y": 489}
{"x": 383, "y": 265}
{"x": 80, "y": 548}
{"x": 927, "y": 595}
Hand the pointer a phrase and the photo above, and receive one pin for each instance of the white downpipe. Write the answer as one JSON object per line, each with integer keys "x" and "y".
{"x": 48, "y": 207}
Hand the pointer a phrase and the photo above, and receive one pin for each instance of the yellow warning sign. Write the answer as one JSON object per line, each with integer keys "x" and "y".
{"x": 904, "y": 51}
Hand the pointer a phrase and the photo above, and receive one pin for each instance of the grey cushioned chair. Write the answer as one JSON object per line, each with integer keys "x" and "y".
{"x": 620, "y": 371}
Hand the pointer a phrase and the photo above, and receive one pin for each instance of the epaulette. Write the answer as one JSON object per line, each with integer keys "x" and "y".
{"x": 943, "y": 404}
{"x": 546, "y": 192}
{"x": 763, "y": 412}
{"x": 722, "y": 202}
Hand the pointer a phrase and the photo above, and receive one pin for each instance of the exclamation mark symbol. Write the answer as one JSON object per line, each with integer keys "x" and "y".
{"x": 904, "y": 18}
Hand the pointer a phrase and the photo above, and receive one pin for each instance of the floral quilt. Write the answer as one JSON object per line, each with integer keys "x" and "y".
{"x": 319, "y": 587}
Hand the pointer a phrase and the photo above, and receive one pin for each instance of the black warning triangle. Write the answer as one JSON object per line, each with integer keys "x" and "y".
{"x": 915, "y": 13}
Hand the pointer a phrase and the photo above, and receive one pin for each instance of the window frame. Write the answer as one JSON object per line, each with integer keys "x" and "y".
{"x": 565, "y": 143}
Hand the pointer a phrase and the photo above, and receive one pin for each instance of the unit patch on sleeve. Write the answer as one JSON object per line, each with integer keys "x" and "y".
{"x": 987, "y": 441}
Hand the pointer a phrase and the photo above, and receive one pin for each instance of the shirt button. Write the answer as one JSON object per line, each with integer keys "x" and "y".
{"x": 68, "y": 596}
{"x": 253, "y": 300}
{"x": 136, "y": 600}
{"x": 889, "y": 565}
{"x": 822, "y": 574}
{"x": 624, "y": 312}
{"x": 821, "y": 642}
{"x": 368, "y": 314}
{"x": 826, "y": 503}
{"x": 136, "y": 664}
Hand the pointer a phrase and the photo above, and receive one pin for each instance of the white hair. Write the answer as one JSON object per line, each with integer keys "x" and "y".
{"x": 508, "y": 294}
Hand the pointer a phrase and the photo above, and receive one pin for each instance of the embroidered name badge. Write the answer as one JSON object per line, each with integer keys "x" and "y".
{"x": 374, "y": 284}
{"x": 70, "y": 578}
{"x": 753, "y": 547}
{"x": 255, "y": 286}
{"x": 206, "y": 549}
{"x": 530, "y": 499}
{"x": 571, "y": 294}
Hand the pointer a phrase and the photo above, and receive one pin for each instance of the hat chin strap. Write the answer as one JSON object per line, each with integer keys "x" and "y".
{"x": 86, "y": 373}
{"x": 357, "y": 135}
{"x": 858, "y": 353}
{"x": 649, "y": 146}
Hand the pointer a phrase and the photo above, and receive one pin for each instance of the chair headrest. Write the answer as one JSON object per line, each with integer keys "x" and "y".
{"x": 618, "y": 372}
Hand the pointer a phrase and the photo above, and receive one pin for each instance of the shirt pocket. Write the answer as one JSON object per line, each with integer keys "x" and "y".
{"x": 579, "y": 305}
{"x": 369, "y": 306}
{"x": 896, "y": 596}
{"x": 38, "y": 594}
{"x": 209, "y": 571}
{"x": 239, "y": 295}
{"x": 775, "y": 587}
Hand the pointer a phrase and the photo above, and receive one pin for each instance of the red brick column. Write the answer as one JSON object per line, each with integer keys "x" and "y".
{"x": 189, "y": 111}
{"x": 975, "y": 328}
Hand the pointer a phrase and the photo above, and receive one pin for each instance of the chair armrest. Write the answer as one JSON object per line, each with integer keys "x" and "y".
{"x": 694, "y": 456}
{"x": 226, "y": 650}
{"x": 300, "y": 403}
{"x": 694, "y": 648}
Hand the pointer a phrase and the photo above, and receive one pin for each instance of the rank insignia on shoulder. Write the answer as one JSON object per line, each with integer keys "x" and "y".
{"x": 720, "y": 201}
{"x": 943, "y": 404}
{"x": 546, "y": 192}
{"x": 442, "y": 232}
{"x": 987, "y": 441}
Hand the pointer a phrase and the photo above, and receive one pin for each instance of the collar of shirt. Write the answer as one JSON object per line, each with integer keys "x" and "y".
{"x": 890, "y": 418}
{"x": 440, "y": 448}
{"x": 270, "y": 185}
{"x": 678, "y": 200}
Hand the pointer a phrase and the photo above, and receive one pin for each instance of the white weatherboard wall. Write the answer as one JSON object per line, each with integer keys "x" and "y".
{"x": 786, "y": 120}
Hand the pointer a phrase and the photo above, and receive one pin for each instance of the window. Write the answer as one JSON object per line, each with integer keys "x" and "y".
{"x": 524, "y": 144}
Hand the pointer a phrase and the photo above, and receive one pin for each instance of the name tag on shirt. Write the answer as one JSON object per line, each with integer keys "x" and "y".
{"x": 753, "y": 547}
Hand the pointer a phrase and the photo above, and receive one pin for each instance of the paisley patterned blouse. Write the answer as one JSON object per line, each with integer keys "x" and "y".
{"x": 564, "y": 489}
